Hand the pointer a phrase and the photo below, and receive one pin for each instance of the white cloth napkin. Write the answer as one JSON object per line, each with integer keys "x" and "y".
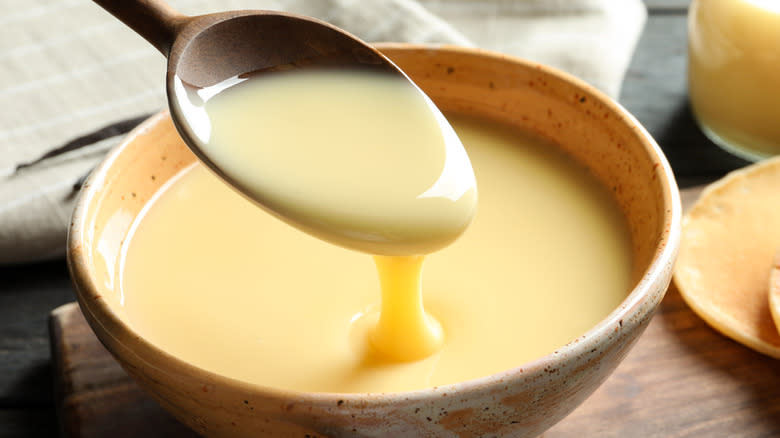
{"x": 73, "y": 77}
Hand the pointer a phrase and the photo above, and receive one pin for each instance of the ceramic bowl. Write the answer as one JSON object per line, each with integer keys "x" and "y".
{"x": 519, "y": 402}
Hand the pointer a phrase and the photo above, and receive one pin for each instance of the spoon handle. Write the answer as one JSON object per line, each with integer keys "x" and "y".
{"x": 154, "y": 20}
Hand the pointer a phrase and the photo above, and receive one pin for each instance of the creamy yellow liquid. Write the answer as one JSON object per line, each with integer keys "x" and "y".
{"x": 212, "y": 279}
{"x": 734, "y": 73}
{"x": 404, "y": 330}
{"x": 362, "y": 160}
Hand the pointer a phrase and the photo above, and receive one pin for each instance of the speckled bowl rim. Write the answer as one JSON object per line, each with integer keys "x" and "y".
{"x": 640, "y": 302}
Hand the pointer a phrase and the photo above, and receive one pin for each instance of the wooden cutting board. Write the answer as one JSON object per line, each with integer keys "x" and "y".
{"x": 682, "y": 379}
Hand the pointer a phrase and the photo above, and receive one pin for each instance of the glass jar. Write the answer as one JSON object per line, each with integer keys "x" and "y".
{"x": 734, "y": 74}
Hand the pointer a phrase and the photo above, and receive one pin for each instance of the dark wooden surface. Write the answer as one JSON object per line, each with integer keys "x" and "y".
{"x": 654, "y": 91}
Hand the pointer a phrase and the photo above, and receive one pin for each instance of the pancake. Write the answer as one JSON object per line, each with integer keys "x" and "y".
{"x": 730, "y": 237}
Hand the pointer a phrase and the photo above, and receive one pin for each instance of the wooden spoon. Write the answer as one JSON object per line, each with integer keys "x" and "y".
{"x": 207, "y": 50}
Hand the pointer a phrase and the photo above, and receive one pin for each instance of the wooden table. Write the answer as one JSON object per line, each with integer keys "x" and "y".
{"x": 679, "y": 359}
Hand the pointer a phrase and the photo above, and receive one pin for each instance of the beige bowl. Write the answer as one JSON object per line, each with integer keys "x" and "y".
{"x": 520, "y": 402}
